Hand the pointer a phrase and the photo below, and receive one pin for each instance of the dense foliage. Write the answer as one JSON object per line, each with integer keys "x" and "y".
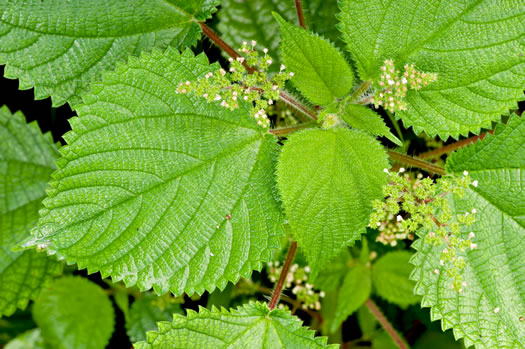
{"x": 269, "y": 199}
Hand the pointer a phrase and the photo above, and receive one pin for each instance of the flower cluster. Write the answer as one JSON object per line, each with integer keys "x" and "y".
{"x": 228, "y": 88}
{"x": 393, "y": 85}
{"x": 297, "y": 277}
{"x": 423, "y": 203}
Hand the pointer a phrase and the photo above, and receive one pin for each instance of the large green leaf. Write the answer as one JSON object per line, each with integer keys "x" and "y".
{"x": 391, "y": 275}
{"x": 26, "y": 162}
{"x": 355, "y": 290}
{"x": 144, "y": 314}
{"x": 241, "y": 20}
{"x": 251, "y": 326}
{"x": 475, "y": 46}
{"x": 161, "y": 189}
{"x": 490, "y": 309}
{"x": 321, "y": 71}
{"x": 61, "y": 46}
{"x": 74, "y": 313}
{"x": 328, "y": 180}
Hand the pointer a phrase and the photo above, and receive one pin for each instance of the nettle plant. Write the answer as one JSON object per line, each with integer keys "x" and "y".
{"x": 180, "y": 178}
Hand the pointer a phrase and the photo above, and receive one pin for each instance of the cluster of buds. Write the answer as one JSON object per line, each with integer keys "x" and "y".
{"x": 423, "y": 203}
{"x": 229, "y": 88}
{"x": 393, "y": 85}
{"x": 296, "y": 281}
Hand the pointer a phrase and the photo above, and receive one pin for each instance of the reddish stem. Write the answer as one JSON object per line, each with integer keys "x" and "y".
{"x": 282, "y": 278}
{"x": 300, "y": 15}
{"x": 451, "y": 147}
{"x": 409, "y": 160}
{"x": 374, "y": 309}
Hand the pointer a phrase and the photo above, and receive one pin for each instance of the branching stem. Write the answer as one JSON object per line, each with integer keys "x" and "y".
{"x": 282, "y": 278}
{"x": 412, "y": 161}
{"x": 374, "y": 309}
{"x": 451, "y": 147}
{"x": 300, "y": 15}
{"x": 287, "y": 130}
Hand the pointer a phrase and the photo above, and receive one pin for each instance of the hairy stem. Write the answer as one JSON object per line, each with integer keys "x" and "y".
{"x": 297, "y": 105}
{"x": 451, "y": 147}
{"x": 294, "y": 302}
{"x": 374, "y": 309}
{"x": 287, "y": 130}
{"x": 361, "y": 89}
{"x": 300, "y": 15}
{"x": 282, "y": 278}
{"x": 412, "y": 161}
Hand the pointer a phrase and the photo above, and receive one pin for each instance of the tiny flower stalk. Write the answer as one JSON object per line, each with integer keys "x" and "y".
{"x": 230, "y": 87}
{"x": 392, "y": 86}
{"x": 422, "y": 203}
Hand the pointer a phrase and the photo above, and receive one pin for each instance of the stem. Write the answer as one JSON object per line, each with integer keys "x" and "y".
{"x": 287, "y": 130}
{"x": 385, "y": 323}
{"x": 412, "y": 161}
{"x": 295, "y": 104}
{"x": 300, "y": 15}
{"x": 294, "y": 303}
{"x": 396, "y": 126}
{"x": 361, "y": 89}
{"x": 223, "y": 45}
{"x": 451, "y": 147}
{"x": 279, "y": 287}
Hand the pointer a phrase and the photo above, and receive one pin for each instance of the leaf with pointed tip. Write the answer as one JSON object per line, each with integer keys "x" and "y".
{"x": 488, "y": 311}
{"x": 241, "y": 20}
{"x": 74, "y": 313}
{"x": 26, "y": 162}
{"x": 328, "y": 180}
{"x": 321, "y": 71}
{"x": 250, "y": 326}
{"x": 161, "y": 189}
{"x": 391, "y": 275}
{"x": 475, "y": 46}
{"x": 363, "y": 118}
{"x": 355, "y": 290}
{"x": 144, "y": 314}
{"x": 59, "y": 47}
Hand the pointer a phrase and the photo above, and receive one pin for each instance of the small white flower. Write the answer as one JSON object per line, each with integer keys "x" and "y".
{"x": 218, "y": 97}
{"x": 265, "y": 50}
{"x": 282, "y": 67}
{"x": 270, "y": 101}
{"x": 401, "y": 170}
{"x": 245, "y": 98}
{"x": 211, "y": 254}
{"x": 269, "y": 61}
{"x": 403, "y": 80}
{"x": 275, "y": 87}
{"x": 436, "y": 271}
{"x": 321, "y": 294}
{"x": 378, "y": 224}
{"x": 244, "y": 43}
{"x": 399, "y": 218}
{"x": 471, "y": 235}
{"x": 464, "y": 283}
{"x": 391, "y": 82}
{"x": 441, "y": 262}
{"x": 291, "y": 74}
{"x": 473, "y": 246}
{"x": 496, "y": 310}
{"x": 254, "y": 42}
{"x": 307, "y": 269}
{"x": 465, "y": 173}
{"x": 474, "y": 210}
{"x": 385, "y": 170}
{"x": 205, "y": 95}
{"x": 475, "y": 183}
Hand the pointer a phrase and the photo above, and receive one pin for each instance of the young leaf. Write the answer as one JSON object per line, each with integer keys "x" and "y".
{"x": 74, "y": 313}
{"x": 391, "y": 278}
{"x": 250, "y": 326}
{"x": 161, "y": 189}
{"x": 328, "y": 180}
{"x": 28, "y": 340}
{"x": 26, "y": 162}
{"x": 363, "y": 118}
{"x": 60, "y": 47}
{"x": 355, "y": 290}
{"x": 321, "y": 72}
{"x": 332, "y": 275}
{"x": 144, "y": 314}
{"x": 489, "y": 311}
{"x": 475, "y": 47}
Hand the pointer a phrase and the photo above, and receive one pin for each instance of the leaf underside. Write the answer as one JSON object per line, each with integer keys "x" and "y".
{"x": 328, "y": 180}
{"x": 250, "y": 326}
{"x": 74, "y": 313}
{"x": 161, "y": 189}
{"x": 26, "y": 162}
{"x": 475, "y": 46}
{"x": 59, "y": 47}
{"x": 487, "y": 312}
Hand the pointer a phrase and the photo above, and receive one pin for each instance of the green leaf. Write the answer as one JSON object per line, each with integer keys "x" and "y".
{"x": 74, "y": 313}
{"x": 250, "y": 326}
{"x": 367, "y": 322}
{"x": 391, "y": 278}
{"x": 145, "y": 313}
{"x": 28, "y": 340}
{"x": 321, "y": 71}
{"x": 328, "y": 180}
{"x": 355, "y": 290}
{"x": 332, "y": 275}
{"x": 161, "y": 189}
{"x": 241, "y": 20}
{"x": 487, "y": 312}
{"x": 26, "y": 162}
{"x": 475, "y": 47}
{"x": 363, "y": 118}
{"x": 60, "y": 47}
